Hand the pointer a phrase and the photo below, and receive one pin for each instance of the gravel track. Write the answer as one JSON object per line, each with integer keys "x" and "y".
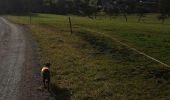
{"x": 19, "y": 70}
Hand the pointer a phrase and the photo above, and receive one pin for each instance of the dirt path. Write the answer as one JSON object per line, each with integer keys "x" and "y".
{"x": 19, "y": 71}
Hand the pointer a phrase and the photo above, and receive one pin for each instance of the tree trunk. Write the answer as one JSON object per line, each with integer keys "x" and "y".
{"x": 51, "y": 3}
{"x": 124, "y": 14}
{"x": 95, "y": 15}
{"x": 163, "y": 20}
{"x": 140, "y": 17}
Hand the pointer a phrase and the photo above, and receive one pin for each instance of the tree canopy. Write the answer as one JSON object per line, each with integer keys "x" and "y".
{"x": 85, "y": 7}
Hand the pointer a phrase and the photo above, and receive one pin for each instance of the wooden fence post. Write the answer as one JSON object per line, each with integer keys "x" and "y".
{"x": 30, "y": 19}
{"x": 71, "y": 30}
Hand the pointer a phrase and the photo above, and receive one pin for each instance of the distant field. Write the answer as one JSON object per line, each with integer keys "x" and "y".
{"x": 90, "y": 65}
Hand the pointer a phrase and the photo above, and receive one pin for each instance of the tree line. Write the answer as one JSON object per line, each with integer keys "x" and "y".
{"x": 88, "y": 7}
{"x": 19, "y": 6}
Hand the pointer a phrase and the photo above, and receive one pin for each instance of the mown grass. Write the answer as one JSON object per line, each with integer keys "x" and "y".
{"x": 88, "y": 65}
{"x": 150, "y": 36}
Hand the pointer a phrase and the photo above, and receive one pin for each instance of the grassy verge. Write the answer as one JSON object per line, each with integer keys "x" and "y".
{"x": 87, "y": 65}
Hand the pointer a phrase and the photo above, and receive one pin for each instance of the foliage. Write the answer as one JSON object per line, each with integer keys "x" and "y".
{"x": 88, "y": 8}
{"x": 164, "y": 10}
{"x": 19, "y": 6}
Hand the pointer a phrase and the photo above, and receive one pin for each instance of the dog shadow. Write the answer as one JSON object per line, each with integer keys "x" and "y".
{"x": 61, "y": 93}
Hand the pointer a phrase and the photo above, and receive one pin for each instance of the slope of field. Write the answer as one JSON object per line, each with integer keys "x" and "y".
{"x": 88, "y": 65}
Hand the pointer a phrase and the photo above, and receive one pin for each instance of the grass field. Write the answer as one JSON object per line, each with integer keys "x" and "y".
{"x": 89, "y": 64}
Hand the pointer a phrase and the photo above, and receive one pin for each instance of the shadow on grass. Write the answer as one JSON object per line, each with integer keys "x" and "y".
{"x": 61, "y": 93}
{"x": 107, "y": 45}
{"x": 158, "y": 23}
{"x": 163, "y": 73}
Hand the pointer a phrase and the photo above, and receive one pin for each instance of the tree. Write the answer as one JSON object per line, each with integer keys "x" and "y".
{"x": 141, "y": 10}
{"x": 86, "y": 7}
{"x": 64, "y": 6}
{"x": 19, "y": 6}
{"x": 164, "y": 10}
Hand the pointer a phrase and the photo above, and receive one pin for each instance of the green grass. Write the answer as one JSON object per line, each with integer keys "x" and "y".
{"x": 90, "y": 65}
{"x": 151, "y": 37}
